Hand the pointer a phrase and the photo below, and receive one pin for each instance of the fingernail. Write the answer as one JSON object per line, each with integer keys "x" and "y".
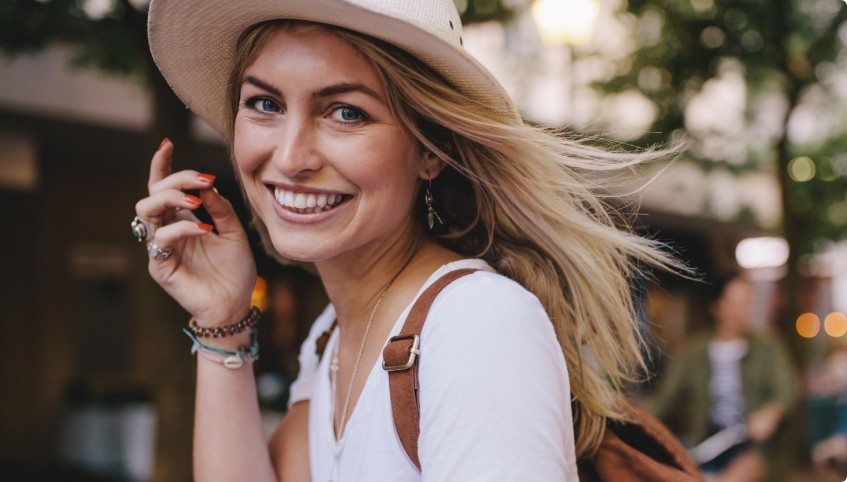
{"x": 216, "y": 191}
{"x": 207, "y": 178}
{"x": 205, "y": 227}
{"x": 162, "y": 144}
{"x": 193, "y": 199}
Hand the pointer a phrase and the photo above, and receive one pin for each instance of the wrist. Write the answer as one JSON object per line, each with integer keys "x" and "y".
{"x": 223, "y": 351}
{"x": 232, "y": 342}
{"x": 249, "y": 321}
{"x": 218, "y": 320}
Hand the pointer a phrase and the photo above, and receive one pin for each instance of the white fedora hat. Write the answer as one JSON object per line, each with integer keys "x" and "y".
{"x": 193, "y": 42}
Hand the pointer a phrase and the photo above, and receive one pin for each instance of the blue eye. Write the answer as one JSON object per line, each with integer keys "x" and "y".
{"x": 349, "y": 115}
{"x": 263, "y": 105}
{"x": 269, "y": 106}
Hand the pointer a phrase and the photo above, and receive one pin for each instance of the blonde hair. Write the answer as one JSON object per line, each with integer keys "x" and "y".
{"x": 527, "y": 200}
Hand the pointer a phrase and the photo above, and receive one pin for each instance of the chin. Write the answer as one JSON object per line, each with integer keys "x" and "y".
{"x": 302, "y": 251}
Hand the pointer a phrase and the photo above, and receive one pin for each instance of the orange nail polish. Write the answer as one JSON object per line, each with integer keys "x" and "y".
{"x": 162, "y": 144}
{"x": 207, "y": 178}
{"x": 193, "y": 199}
{"x": 205, "y": 227}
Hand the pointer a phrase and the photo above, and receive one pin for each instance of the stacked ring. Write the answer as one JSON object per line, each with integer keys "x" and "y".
{"x": 141, "y": 231}
{"x": 157, "y": 253}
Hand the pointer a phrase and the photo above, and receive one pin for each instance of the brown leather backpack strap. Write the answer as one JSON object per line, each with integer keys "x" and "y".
{"x": 639, "y": 450}
{"x": 400, "y": 359}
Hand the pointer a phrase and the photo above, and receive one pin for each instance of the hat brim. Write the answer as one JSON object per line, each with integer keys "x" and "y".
{"x": 193, "y": 44}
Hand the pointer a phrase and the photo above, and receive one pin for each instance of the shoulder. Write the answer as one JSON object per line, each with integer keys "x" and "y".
{"x": 697, "y": 347}
{"x": 303, "y": 387}
{"x": 766, "y": 342}
{"x": 492, "y": 319}
{"x": 494, "y": 391}
{"x": 487, "y": 297}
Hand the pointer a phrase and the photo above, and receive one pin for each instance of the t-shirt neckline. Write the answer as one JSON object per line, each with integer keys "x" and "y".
{"x": 323, "y": 375}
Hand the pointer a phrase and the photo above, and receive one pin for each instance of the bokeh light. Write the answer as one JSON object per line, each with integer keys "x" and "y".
{"x": 801, "y": 169}
{"x": 259, "y": 297}
{"x": 764, "y": 252}
{"x": 835, "y": 324}
{"x": 828, "y": 170}
{"x": 565, "y": 22}
{"x": 837, "y": 213}
{"x": 808, "y": 325}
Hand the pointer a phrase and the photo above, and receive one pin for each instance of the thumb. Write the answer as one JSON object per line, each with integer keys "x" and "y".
{"x": 222, "y": 213}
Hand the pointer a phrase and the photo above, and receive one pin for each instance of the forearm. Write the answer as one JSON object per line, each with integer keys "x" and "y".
{"x": 229, "y": 444}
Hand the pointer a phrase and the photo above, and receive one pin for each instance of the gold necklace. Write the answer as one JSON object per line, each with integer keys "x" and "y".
{"x": 339, "y": 430}
{"x": 340, "y": 427}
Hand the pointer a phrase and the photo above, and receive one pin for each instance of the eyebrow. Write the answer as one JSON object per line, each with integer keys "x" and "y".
{"x": 341, "y": 88}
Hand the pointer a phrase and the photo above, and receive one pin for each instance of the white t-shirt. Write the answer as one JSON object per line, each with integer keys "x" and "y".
{"x": 494, "y": 393}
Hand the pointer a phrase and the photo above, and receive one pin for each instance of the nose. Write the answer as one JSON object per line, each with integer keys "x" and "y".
{"x": 296, "y": 149}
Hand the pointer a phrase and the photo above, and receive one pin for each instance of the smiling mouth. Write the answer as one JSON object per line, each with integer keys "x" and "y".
{"x": 303, "y": 203}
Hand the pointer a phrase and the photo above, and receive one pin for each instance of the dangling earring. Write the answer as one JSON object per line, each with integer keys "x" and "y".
{"x": 431, "y": 215}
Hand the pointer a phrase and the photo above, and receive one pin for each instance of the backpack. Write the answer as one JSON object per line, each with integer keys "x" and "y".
{"x": 639, "y": 450}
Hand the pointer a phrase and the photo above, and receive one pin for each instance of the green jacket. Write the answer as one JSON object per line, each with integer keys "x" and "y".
{"x": 682, "y": 399}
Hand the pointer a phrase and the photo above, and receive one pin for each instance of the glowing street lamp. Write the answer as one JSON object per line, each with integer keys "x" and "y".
{"x": 565, "y": 22}
{"x": 562, "y": 25}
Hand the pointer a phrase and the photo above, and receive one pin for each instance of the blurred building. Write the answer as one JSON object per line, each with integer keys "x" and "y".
{"x": 93, "y": 364}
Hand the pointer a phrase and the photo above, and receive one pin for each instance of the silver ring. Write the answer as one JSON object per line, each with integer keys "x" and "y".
{"x": 157, "y": 253}
{"x": 141, "y": 231}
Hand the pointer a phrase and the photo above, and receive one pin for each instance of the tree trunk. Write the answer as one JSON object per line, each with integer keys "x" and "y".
{"x": 173, "y": 368}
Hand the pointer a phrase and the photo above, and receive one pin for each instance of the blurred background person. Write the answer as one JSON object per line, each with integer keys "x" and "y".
{"x": 826, "y": 411}
{"x": 730, "y": 380}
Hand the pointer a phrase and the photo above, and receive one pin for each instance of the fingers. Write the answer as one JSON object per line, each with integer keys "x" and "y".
{"x": 160, "y": 166}
{"x": 153, "y": 209}
{"x": 169, "y": 237}
{"x": 187, "y": 179}
{"x": 222, "y": 213}
{"x": 162, "y": 179}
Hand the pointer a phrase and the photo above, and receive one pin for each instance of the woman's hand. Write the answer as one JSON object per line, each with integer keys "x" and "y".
{"x": 762, "y": 423}
{"x": 210, "y": 275}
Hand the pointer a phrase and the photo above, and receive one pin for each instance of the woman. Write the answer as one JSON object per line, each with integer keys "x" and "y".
{"x": 729, "y": 378}
{"x": 370, "y": 145}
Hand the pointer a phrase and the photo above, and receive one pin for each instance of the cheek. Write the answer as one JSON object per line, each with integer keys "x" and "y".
{"x": 380, "y": 166}
{"x": 248, "y": 146}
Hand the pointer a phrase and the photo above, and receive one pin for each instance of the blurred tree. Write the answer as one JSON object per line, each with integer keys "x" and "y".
{"x": 111, "y": 36}
{"x": 788, "y": 52}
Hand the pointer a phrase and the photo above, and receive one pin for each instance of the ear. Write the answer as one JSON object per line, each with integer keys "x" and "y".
{"x": 430, "y": 166}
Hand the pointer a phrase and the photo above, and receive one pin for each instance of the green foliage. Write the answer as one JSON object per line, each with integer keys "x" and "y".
{"x": 115, "y": 43}
{"x": 473, "y": 11}
{"x": 780, "y": 44}
{"x": 821, "y": 201}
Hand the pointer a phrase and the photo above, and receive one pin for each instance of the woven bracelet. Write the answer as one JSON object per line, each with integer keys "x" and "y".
{"x": 251, "y": 320}
{"x": 232, "y": 359}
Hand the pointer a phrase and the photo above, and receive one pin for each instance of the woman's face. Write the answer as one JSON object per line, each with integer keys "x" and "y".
{"x": 322, "y": 160}
{"x": 735, "y": 306}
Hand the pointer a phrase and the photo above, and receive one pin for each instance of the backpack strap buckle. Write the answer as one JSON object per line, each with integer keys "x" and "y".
{"x": 401, "y": 352}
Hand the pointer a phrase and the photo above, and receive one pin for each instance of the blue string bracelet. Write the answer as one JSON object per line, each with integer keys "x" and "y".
{"x": 232, "y": 359}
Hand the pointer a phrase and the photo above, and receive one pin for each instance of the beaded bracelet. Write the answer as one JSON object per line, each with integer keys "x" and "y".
{"x": 231, "y": 359}
{"x": 249, "y": 321}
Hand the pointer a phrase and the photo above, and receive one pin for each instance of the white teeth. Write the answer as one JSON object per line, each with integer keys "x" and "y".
{"x": 308, "y": 203}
